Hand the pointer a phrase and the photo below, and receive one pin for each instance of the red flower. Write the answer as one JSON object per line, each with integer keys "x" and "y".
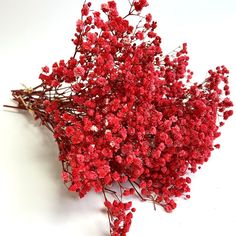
{"x": 140, "y": 4}
{"x": 79, "y": 71}
{"x": 85, "y": 10}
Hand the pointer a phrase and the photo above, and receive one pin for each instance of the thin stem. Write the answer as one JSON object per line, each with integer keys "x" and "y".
{"x": 154, "y": 203}
{"x": 130, "y": 10}
{"x": 108, "y": 212}
{"x": 137, "y": 191}
{"x": 113, "y": 192}
{"x": 14, "y": 107}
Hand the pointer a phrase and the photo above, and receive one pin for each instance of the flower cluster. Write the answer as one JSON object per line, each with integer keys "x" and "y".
{"x": 125, "y": 115}
{"x": 120, "y": 221}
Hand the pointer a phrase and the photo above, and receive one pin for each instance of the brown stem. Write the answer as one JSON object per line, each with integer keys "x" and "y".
{"x": 14, "y": 107}
{"x": 143, "y": 199}
{"x": 108, "y": 212}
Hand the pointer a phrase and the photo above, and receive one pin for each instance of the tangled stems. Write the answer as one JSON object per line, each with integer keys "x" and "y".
{"x": 123, "y": 114}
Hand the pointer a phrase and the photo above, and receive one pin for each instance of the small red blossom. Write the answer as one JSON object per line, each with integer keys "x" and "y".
{"x": 140, "y": 4}
{"x": 65, "y": 176}
{"x": 45, "y": 69}
{"x": 149, "y": 17}
{"x": 105, "y": 7}
{"x": 70, "y": 131}
{"x": 227, "y": 114}
{"x": 79, "y": 26}
{"x": 140, "y": 35}
{"x": 85, "y": 10}
{"x": 79, "y": 71}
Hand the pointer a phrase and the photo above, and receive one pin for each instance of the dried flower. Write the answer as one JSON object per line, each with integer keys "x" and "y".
{"x": 122, "y": 112}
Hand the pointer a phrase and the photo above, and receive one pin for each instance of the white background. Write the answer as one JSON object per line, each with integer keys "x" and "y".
{"x": 33, "y": 199}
